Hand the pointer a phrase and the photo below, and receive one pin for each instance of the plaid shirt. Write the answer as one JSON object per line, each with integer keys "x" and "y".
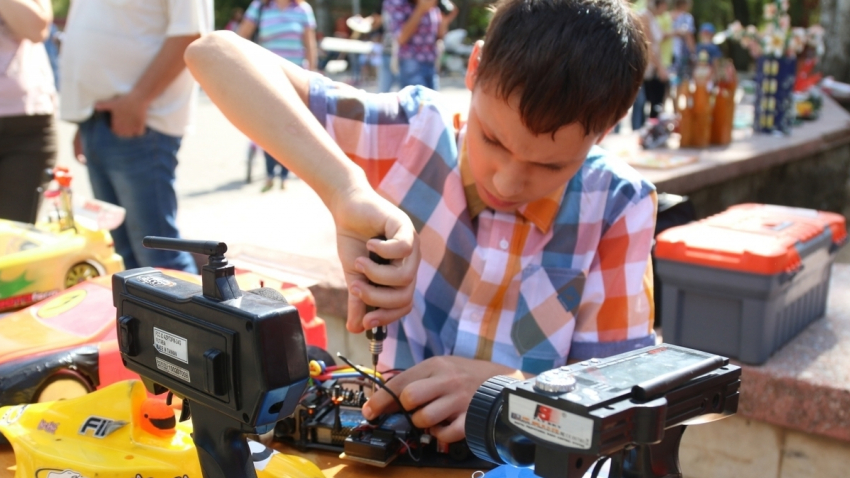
{"x": 567, "y": 276}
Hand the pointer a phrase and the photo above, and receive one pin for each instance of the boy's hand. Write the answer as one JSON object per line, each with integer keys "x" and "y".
{"x": 359, "y": 217}
{"x": 438, "y": 392}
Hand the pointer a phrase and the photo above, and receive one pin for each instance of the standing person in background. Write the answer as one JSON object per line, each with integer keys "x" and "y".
{"x": 236, "y": 16}
{"x": 665, "y": 21}
{"x": 683, "y": 39}
{"x": 655, "y": 75}
{"x": 417, "y": 25}
{"x": 287, "y": 28}
{"x": 126, "y": 85}
{"x": 387, "y": 72}
{"x": 706, "y": 44}
{"x": 684, "y": 47}
{"x": 27, "y": 104}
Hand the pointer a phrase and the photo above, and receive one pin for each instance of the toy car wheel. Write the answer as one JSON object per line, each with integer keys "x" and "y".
{"x": 62, "y": 385}
{"x": 80, "y": 272}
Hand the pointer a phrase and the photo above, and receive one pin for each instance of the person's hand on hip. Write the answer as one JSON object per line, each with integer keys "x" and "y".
{"x": 128, "y": 114}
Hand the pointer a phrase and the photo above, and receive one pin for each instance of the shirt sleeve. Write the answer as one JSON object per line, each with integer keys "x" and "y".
{"x": 370, "y": 128}
{"x": 619, "y": 317}
{"x": 397, "y": 14}
{"x": 189, "y": 17}
{"x": 252, "y": 13}
{"x": 309, "y": 17}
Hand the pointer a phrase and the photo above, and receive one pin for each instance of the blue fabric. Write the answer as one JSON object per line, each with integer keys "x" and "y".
{"x": 711, "y": 50}
{"x": 138, "y": 175}
{"x": 639, "y": 110}
{"x": 271, "y": 164}
{"x": 589, "y": 350}
{"x": 386, "y": 77}
{"x": 412, "y": 72}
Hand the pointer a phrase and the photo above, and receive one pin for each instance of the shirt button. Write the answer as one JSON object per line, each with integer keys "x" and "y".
{"x": 504, "y": 244}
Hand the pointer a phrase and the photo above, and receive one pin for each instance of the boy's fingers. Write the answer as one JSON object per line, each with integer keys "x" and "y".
{"x": 356, "y": 311}
{"x": 454, "y": 431}
{"x": 394, "y": 302}
{"x": 387, "y": 275}
{"x": 384, "y": 316}
{"x": 382, "y": 402}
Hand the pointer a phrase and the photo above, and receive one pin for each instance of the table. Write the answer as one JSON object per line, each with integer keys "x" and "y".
{"x": 329, "y": 463}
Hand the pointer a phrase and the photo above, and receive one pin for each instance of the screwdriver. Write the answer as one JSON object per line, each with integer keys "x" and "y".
{"x": 376, "y": 335}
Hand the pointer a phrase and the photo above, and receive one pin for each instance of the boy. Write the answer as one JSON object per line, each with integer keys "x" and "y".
{"x": 535, "y": 243}
{"x": 706, "y": 44}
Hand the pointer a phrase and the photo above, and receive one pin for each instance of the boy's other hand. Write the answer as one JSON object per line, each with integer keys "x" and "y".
{"x": 359, "y": 217}
{"x": 438, "y": 392}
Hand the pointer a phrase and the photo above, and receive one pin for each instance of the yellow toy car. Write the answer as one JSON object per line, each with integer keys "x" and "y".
{"x": 118, "y": 432}
{"x": 39, "y": 261}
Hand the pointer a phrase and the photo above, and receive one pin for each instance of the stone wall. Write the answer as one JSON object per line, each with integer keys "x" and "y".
{"x": 820, "y": 181}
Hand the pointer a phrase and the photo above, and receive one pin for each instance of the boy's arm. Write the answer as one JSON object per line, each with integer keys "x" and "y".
{"x": 266, "y": 97}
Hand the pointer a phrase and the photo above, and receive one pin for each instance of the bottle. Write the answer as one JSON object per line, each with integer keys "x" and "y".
{"x": 61, "y": 209}
{"x": 701, "y": 133}
{"x": 684, "y": 105}
{"x": 724, "y": 104}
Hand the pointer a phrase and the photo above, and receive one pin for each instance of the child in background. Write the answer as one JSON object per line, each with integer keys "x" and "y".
{"x": 706, "y": 44}
{"x": 534, "y": 242}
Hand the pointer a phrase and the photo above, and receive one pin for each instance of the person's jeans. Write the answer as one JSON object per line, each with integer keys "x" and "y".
{"x": 386, "y": 78}
{"x": 639, "y": 110}
{"x": 413, "y": 72}
{"x": 271, "y": 163}
{"x": 137, "y": 174}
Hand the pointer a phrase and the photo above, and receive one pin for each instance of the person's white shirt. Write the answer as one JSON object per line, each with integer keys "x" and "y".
{"x": 108, "y": 45}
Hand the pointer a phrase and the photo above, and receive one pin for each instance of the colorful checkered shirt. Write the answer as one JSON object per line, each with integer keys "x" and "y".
{"x": 566, "y": 277}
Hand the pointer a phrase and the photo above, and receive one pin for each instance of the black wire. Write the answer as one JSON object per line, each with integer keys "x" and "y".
{"x": 382, "y": 384}
{"x": 598, "y": 467}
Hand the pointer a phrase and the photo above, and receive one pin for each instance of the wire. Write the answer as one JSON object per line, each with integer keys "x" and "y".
{"x": 383, "y": 385}
{"x": 598, "y": 467}
{"x": 409, "y": 451}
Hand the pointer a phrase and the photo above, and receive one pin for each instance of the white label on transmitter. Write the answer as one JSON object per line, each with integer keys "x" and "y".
{"x": 172, "y": 345}
{"x": 172, "y": 369}
{"x": 550, "y": 424}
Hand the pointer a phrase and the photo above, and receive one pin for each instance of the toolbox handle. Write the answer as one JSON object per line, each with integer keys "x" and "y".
{"x": 790, "y": 273}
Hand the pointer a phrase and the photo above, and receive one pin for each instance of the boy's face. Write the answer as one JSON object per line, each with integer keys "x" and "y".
{"x": 511, "y": 165}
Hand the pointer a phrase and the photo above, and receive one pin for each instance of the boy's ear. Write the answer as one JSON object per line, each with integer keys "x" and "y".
{"x": 472, "y": 67}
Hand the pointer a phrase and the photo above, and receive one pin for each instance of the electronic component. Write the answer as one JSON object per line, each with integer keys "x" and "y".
{"x": 329, "y": 417}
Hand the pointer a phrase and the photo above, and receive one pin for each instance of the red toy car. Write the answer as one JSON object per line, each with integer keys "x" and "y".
{"x": 66, "y": 346}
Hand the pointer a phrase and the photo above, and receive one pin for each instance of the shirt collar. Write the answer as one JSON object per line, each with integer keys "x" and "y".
{"x": 540, "y": 212}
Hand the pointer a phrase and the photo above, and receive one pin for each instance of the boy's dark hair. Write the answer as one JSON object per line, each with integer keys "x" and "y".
{"x": 569, "y": 60}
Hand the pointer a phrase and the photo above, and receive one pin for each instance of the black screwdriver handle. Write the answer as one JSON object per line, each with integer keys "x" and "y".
{"x": 377, "y": 333}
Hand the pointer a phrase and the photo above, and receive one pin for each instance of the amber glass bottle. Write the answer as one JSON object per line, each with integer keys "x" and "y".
{"x": 684, "y": 105}
{"x": 724, "y": 103}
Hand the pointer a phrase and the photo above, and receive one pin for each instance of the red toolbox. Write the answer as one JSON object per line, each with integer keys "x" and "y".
{"x": 744, "y": 282}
